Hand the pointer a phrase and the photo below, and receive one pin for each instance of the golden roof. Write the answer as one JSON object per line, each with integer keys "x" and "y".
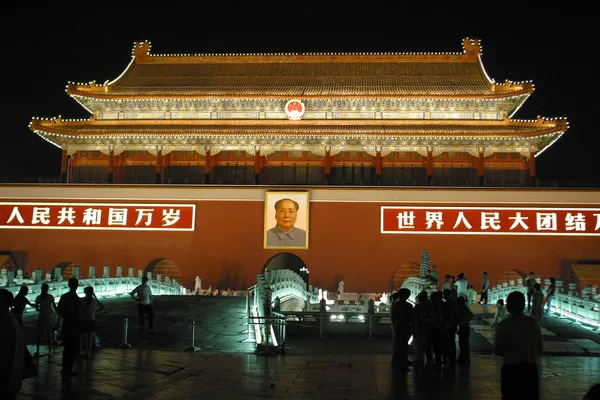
{"x": 380, "y": 128}
{"x": 304, "y": 75}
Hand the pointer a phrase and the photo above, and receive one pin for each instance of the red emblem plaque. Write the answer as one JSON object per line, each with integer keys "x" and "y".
{"x": 294, "y": 110}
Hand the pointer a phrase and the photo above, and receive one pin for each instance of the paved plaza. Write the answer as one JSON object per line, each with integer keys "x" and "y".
{"x": 337, "y": 367}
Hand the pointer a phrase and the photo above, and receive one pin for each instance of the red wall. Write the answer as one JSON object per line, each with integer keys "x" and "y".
{"x": 345, "y": 243}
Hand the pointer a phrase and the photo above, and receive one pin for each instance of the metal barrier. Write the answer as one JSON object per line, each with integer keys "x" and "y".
{"x": 325, "y": 318}
{"x": 275, "y": 332}
{"x": 125, "y": 345}
{"x": 193, "y": 348}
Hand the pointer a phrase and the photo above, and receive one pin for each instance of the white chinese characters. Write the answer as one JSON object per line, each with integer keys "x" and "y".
{"x": 97, "y": 216}
{"x": 532, "y": 221}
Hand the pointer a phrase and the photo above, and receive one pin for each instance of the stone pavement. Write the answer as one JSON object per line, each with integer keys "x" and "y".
{"x": 337, "y": 367}
{"x": 155, "y": 374}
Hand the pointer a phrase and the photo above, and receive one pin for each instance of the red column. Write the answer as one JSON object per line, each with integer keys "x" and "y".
{"x": 327, "y": 165}
{"x": 481, "y": 169}
{"x": 257, "y": 167}
{"x": 429, "y": 164}
{"x": 63, "y": 167}
{"x": 111, "y": 166}
{"x": 378, "y": 167}
{"x": 532, "y": 168}
{"x": 207, "y": 166}
{"x": 158, "y": 166}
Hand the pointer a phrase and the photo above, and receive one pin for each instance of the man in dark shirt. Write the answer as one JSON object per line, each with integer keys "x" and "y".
{"x": 449, "y": 326}
{"x": 519, "y": 342}
{"x": 402, "y": 322}
{"x": 69, "y": 309}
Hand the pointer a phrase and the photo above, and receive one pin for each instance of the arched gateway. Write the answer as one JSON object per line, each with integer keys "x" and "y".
{"x": 287, "y": 261}
{"x": 164, "y": 267}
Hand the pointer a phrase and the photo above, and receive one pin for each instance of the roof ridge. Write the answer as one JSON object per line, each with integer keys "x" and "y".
{"x": 142, "y": 49}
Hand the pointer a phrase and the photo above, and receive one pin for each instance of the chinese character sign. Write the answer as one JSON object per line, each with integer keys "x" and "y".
{"x": 491, "y": 221}
{"x": 99, "y": 216}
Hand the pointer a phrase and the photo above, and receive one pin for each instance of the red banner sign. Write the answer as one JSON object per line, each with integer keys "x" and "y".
{"x": 98, "y": 216}
{"x": 491, "y": 221}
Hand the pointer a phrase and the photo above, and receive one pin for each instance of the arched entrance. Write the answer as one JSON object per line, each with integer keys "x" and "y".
{"x": 164, "y": 267}
{"x": 294, "y": 301}
{"x": 511, "y": 275}
{"x": 287, "y": 261}
{"x": 405, "y": 270}
{"x": 66, "y": 269}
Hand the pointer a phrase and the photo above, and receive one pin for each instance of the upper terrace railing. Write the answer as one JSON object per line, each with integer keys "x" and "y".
{"x": 105, "y": 285}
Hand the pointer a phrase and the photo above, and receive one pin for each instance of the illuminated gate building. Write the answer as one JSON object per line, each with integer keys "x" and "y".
{"x": 302, "y": 119}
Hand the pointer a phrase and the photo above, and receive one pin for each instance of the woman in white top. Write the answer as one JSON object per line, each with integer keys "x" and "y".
{"x": 46, "y": 322}
{"x": 90, "y": 305}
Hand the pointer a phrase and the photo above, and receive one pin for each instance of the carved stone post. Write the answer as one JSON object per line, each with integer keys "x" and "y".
{"x": 106, "y": 273}
{"x": 58, "y": 274}
{"x": 131, "y": 273}
{"x": 75, "y": 271}
{"x": 92, "y": 273}
{"x": 119, "y": 273}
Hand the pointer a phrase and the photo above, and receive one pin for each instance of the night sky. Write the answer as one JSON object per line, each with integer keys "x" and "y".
{"x": 46, "y": 48}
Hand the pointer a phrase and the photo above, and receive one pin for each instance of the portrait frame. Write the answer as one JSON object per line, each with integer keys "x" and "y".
{"x": 301, "y": 222}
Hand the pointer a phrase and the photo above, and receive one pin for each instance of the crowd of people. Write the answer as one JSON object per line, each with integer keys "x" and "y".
{"x": 72, "y": 320}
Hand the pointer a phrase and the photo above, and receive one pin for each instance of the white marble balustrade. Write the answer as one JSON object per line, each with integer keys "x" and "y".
{"x": 106, "y": 286}
{"x": 585, "y": 308}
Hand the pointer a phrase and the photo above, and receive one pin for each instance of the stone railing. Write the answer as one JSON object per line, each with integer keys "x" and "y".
{"x": 416, "y": 285}
{"x": 104, "y": 286}
{"x": 584, "y": 308}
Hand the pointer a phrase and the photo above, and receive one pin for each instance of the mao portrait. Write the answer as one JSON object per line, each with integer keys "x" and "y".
{"x": 286, "y": 220}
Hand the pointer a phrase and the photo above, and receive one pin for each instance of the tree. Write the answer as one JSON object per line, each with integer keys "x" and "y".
{"x": 425, "y": 264}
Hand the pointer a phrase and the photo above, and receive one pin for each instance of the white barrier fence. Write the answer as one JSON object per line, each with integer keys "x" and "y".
{"x": 105, "y": 286}
{"x": 584, "y": 308}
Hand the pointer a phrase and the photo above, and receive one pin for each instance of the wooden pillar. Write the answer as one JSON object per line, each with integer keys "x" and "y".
{"x": 532, "y": 168}
{"x": 74, "y": 167}
{"x": 111, "y": 166}
{"x": 481, "y": 169}
{"x": 63, "y": 167}
{"x": 158, "y": 167}
{"x": 207, "y": 167}
{"x": 327, "y": 166}
{"x": 429, "y": 164}
{"x": 257, "y": 167}
{"x": 378, "y": 168}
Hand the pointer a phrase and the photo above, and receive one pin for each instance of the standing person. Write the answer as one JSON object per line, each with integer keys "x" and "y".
{"x": 436, "y": 337}
{"x": 46, "y": 322}
{"x": 447, "y": 284}
{"x": 145, "y": 303}
{"x": 550, "y": 295}
{"x": 530, "y": 285}
{"x": 461, "y": 286}
{"x": 420, "y": 324}
{"x": 434, "y": 275}
{"x": 19, "y": 303}
{"x": 402, "y": 322}
{"x": 519, "y": 341}
{"x": 450, "y": 321}
{"x": 89, "y": 306}
{"x": 464, "y": 331}
{"x": 12, "y": 349}
{"x": 500, "y": 313}
{"x": 538, "y": 303}
{"x": 485, "y": 286}
{"x": 69, "y": 309}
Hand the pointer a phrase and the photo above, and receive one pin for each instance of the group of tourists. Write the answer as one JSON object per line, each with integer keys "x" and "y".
{"x": 433, "y": 324}
{"x": 72, "y": 320}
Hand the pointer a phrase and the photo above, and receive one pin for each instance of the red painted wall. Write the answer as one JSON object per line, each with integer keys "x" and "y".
{"x": 345, "y": 243}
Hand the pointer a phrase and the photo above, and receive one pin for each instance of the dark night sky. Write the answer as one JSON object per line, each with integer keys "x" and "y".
{"x": 44, "y": 49}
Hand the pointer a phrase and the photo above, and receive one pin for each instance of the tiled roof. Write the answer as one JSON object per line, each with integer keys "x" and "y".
{"x": 303, "y": 75}
{"x": 305, "y": 79}
{"x": 287, "y": 128}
